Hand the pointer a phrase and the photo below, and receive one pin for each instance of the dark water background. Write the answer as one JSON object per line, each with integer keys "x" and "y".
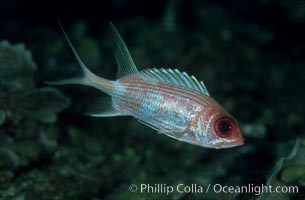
{"x": 250, "y": 54}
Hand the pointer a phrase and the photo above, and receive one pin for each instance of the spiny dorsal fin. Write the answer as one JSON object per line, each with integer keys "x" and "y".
{"x": 103, "y": 107}
{"x": 124, "y": 60}
{"x": 176, "y": 77}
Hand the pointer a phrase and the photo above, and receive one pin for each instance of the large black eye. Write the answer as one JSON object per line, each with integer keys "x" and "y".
{"x": 225, "y": 126}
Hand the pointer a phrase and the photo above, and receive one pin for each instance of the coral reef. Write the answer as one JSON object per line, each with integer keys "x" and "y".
{"x": 26, "y": 112}
{"x": 20, "y": 98}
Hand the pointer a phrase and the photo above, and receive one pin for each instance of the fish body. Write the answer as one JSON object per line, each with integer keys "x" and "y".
{"x": 169, "y": 101}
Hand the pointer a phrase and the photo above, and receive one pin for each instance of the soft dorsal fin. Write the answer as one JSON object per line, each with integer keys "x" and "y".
{"x": 176, "y": 77}
{"x": 124, "y": 60}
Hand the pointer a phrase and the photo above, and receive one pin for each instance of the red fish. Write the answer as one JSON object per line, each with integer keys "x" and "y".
{"x": 167, "y": 100}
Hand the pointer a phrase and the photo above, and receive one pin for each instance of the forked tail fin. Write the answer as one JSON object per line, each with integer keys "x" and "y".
{"x": 126, "y": 66}
{"x": 88, "y": 77}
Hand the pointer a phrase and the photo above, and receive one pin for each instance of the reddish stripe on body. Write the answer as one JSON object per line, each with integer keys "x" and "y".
{"x": 171, "y": 89}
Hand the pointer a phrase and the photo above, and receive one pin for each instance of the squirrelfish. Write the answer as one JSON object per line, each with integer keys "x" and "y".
{"x": 167, "y": 100}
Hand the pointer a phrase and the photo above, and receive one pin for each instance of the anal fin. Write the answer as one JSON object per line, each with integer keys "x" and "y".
{"x": 103, "y": 107}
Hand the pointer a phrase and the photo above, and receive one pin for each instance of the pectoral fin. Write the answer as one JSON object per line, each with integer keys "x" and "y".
{"x": 157, "y": 129}
{"x": 177, "y": 134}
{"x": 150, "y": 126}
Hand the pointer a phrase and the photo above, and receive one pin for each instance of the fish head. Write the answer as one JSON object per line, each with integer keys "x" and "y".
{"x": 219, "y": 130}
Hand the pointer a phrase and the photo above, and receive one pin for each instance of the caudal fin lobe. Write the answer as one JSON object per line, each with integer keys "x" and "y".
{"x": 87, "y": 78}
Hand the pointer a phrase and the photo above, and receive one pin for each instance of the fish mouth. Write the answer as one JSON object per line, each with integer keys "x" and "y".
{"x": 231, "y": 145}
{"x": 225, "y": 145}
{"x": 236, "y": 143}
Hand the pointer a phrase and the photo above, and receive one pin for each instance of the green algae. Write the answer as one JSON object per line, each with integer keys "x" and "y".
{"x": 294, "y": 174}
{"x": 280, "y": 164}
